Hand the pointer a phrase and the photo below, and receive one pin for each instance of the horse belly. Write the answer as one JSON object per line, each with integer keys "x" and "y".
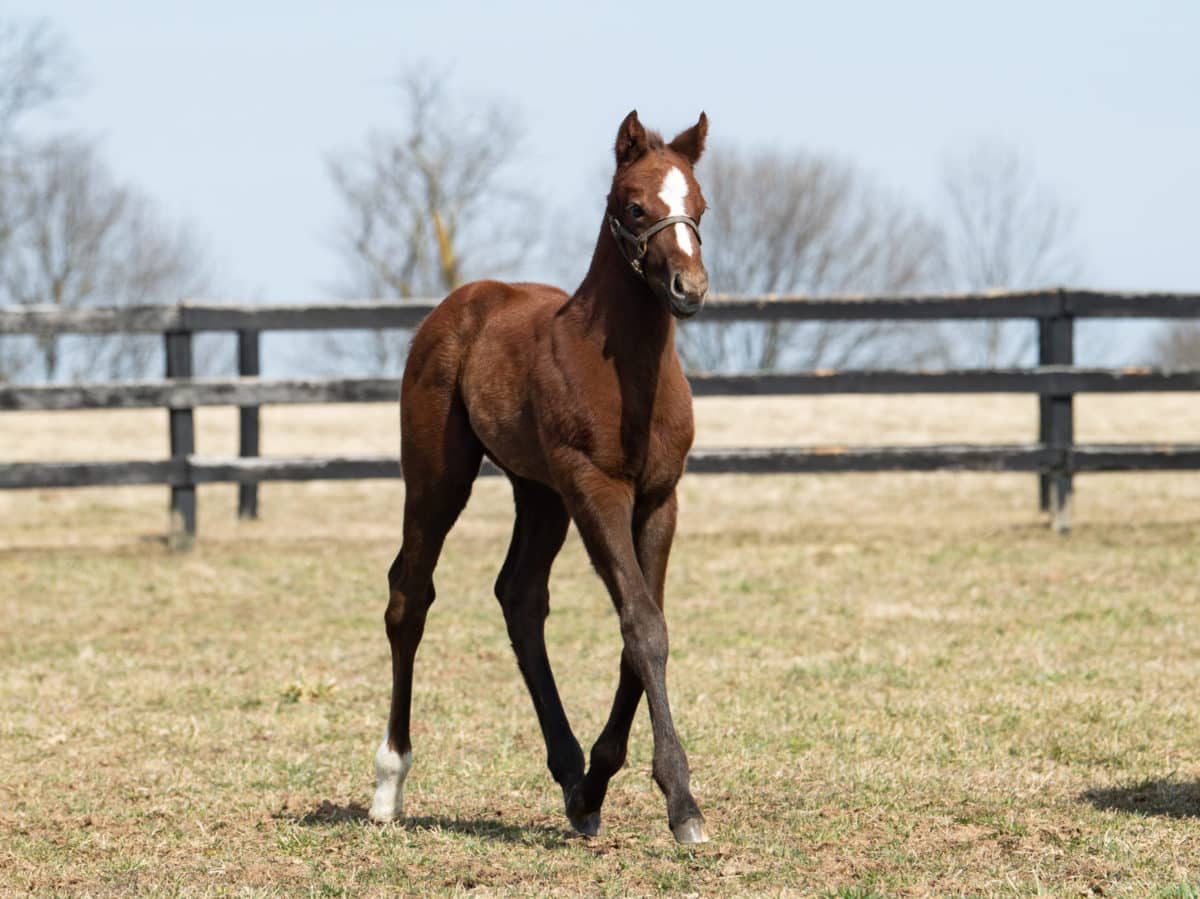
{"x": 510, "y": 438}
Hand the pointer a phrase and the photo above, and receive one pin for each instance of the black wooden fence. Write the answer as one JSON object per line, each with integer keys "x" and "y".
{"x": 1055, "y": 457}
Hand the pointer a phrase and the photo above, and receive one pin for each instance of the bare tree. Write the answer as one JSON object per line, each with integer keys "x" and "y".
{"x": 70, "y": 235}
{"x": 1005, "y": 229}
{"x": 36, "y": 69}
{"x": 1177, "y": 345}
{"x": 428, "y": 205}
{"x": 799, "y": 223}
{"x": 81, "y": 238}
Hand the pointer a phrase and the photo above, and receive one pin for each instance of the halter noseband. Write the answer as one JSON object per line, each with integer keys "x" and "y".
{"x": 641, "y": 241}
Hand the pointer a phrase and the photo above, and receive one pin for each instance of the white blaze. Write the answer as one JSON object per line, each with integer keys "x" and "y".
{"x": 674, "y": 191}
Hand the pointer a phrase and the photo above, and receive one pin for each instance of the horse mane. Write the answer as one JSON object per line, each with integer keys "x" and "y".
{"x": 654, "y": 141}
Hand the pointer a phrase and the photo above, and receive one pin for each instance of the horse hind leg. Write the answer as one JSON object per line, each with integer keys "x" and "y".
{"x": 438, "y": 474}
{"x": 523, "y": 591}
{"x": 404, "y": 621}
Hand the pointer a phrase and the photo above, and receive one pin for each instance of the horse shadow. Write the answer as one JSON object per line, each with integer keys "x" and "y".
{"x": 1155, "y": 797}
{"x": 330, "y": 814}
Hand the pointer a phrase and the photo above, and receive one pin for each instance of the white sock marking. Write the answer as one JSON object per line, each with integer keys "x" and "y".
{"x": 391, "y": 768}
{"x": 674, "y": 191}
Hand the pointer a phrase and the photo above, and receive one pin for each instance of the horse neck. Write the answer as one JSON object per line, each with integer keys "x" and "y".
{"x": 617, "y": 305}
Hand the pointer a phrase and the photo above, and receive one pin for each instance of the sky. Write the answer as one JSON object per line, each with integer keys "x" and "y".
{"x": 225, "y": 112}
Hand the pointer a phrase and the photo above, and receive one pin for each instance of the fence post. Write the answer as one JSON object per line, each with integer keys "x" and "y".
{"x": 183, "y": 444}
{"x": 1045, "y": 355}
{"x": 248, "y": 365}
{"x": 1056, "y": 346}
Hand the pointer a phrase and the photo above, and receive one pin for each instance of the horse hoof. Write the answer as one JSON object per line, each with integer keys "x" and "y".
{"x": 584, "y": 822}
{"x": 690, "y": 831}
{"x": 387, "y": 805}
{"x": 588, "y": 825}
{"x": 384, "y": 813}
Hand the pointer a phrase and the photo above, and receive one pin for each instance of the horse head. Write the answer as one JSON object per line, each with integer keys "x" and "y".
{"x": 654, "y": 211}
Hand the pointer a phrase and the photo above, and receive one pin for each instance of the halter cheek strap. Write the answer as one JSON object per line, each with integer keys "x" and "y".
{"x": 641, "y": 242}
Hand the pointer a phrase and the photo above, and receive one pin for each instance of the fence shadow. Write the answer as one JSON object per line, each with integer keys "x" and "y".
{"x": 1156, "y": 797}
{"x": 330, "y": 814}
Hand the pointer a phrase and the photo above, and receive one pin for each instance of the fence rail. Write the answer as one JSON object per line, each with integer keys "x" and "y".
{"x": 253, "y": 391}
{"x": 1055, "y": 381}
{"x": 196, "y": 316}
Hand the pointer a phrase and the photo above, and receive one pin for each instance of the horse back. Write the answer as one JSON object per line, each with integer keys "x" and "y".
{"x": 452, "y": 331}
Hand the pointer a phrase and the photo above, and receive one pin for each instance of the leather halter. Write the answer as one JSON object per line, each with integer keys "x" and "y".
{"x": 641, "y": 241}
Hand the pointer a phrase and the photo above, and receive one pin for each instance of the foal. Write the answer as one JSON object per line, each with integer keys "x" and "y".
{"x": 582, "y": 402}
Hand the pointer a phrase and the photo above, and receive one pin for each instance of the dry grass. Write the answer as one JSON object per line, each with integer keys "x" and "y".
{"x": 888, "y": 685}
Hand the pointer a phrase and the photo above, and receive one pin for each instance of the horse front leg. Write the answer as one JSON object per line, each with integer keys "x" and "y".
{"x": 654, "y": 528}
{"x": 634, "y": 573}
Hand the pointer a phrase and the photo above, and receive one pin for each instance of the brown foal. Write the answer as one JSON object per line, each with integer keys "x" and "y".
{"x": 582, "y": 402}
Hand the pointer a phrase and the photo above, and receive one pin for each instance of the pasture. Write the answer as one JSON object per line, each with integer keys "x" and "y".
{"x": 887, "y": 684}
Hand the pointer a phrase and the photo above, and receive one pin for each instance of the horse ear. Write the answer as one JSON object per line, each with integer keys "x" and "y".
{"x": 631, "y": 140}
{"x": 690, "y": 143}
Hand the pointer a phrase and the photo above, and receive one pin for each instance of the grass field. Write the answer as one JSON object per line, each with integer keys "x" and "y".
{"x": 887, "y": 685}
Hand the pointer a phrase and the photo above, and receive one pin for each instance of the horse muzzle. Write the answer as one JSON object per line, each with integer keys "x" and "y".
{"x": 686, "y": 292}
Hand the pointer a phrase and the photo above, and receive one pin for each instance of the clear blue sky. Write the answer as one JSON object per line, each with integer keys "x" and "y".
{"x": 224, "y": 111}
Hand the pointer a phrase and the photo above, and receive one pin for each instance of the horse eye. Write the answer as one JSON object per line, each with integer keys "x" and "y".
{"x": 636, "y": 211}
